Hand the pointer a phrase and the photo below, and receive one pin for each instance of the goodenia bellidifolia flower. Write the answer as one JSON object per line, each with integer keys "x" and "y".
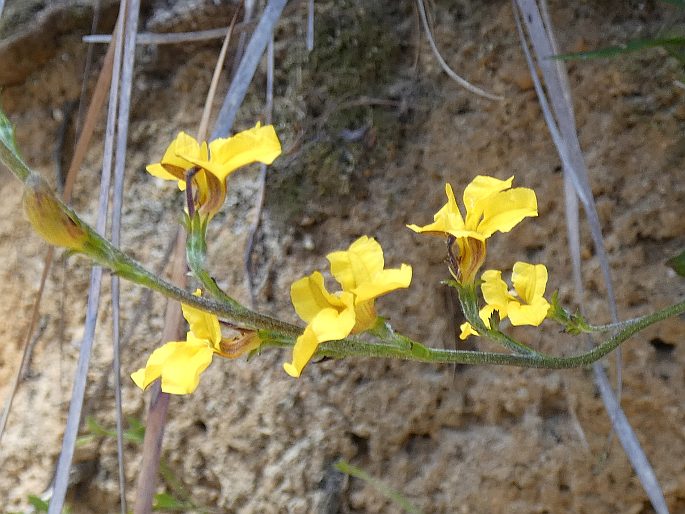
{"x": 214, "y": 162}
{"x": 491, "y": 206}
{"x": 180, "y": 363}
{"x": 527, "y": 307}
{"x": 360, "y": 271}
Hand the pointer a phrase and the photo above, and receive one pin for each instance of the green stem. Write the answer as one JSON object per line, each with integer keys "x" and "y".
{"x": 417, "y": 352}
{"x": 11, "y": 159}
{"x": 196, "y": 251}
{"x": 609, "y": 327}
{"x": 131, "y": 270}
{"x": 469, "y": 304}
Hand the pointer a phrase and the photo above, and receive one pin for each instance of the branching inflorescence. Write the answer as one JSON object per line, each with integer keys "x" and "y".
{"x": 333, "y": 319}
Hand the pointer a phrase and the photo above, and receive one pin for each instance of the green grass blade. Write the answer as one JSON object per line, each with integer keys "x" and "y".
{"x": 677, "y": 263}
{"x": 631, "y": 46}
{"x": 677, "y": 3}
{"x": 391, "y": 494}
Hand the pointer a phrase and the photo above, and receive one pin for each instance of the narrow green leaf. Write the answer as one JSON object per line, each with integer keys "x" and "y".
{"x": 677, "y": 263}
{"x": 631, "y": 46}
{"x": 135, "y": 431}
{"x": 168, "y": 502}
{"x": 391, "y": 494}
{"x": 37, "y": 503}
{"x": 677, "y": 3}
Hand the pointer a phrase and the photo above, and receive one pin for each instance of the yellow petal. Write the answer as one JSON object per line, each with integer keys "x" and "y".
{"x": 155, "y": 364}
{"x": 258, "y": 144}
{"x": 480, "y": 188}
{"x": 304, "y": 349}
{"x": 185, "y": 148}
{"x": 365, "y": 316}
{"x": 447, "y": 220}
{"x": 532, "y": 314}
{"x": 159, "y": 171}
{"x": 383, "y": 282}
{"x": 362, "y": 260}
{"x": 331, "y": 324}
{"x": 172, "y": 166}
{"x": 495, "y": 291}
{"x": 486, "y": 313}
{"x": 529, "y": 280}
{"x": 467, "y": 330}
{"x": 503, "y": 211}
{"x": 309, "y": 297}
{"x": 178, "y": 363}
{"x": 327, "y": 325}
{"x": 203, "y": 325}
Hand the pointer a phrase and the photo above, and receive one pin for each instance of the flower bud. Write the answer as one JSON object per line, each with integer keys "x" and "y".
{"x": 50, "y": 218}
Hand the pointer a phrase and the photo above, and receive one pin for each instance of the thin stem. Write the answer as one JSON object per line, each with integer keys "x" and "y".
{"x": 133, "y": 271}
{"x": 469, "y": 305}
{"x": 610, "y": 326}
{"x": 210, "y": 285}
{"x": 196, "y": 252}
{"x": 415, "y": 351}
{"x": 11, "y": 159}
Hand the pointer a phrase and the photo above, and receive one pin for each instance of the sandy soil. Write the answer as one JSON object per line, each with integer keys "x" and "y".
{"x": 470, "y": 439}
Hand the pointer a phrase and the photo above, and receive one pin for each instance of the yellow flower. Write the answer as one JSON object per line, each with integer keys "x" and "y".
{"x": 530, "y": 308}
{"x": 329, "y": 317}
{"x": 214, "y": 162}
{"x": 491, "y": 206}
{"x": 180, "y": 363}
{"x": 360, "y": 270}
{"x": 467, "y": 330}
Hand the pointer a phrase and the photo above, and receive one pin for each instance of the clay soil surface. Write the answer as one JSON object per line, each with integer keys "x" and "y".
{"x": 372, "y": 130}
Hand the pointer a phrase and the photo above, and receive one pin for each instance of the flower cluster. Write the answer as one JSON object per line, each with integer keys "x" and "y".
{"x": 360, "y": 271}
{"x": 209, "y": 165}
{"x": 180, "y": 363}
{"x": 491, "y": 206}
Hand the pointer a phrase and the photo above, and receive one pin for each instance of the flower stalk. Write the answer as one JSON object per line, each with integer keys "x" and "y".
{"x": 196, "y": 256}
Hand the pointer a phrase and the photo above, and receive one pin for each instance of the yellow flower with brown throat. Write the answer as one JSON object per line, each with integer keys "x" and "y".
{"x": 210, "y": 164}
{"x": 360, "y": 271}
{"x": 491, "y": 206}
{"x": 526, "y": 305}
{"x": 180, "y": 363}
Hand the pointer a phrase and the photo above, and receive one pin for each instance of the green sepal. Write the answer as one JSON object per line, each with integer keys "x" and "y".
{"x": 196, "y": 244}
{"x": 450, "y": 282}
{"x": 573, "y": 323}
